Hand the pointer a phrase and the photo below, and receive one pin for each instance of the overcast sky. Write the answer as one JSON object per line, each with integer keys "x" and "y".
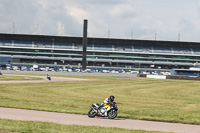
{"x": 127, "y": 19}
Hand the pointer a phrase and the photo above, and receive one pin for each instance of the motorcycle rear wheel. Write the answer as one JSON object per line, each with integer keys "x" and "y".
{"x": 91, "y": 113}
{"x": 112, "y": 114}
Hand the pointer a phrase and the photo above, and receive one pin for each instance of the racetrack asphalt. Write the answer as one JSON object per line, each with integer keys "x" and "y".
{"x": 53, "y": 79}
{"x": 73, "y": 119}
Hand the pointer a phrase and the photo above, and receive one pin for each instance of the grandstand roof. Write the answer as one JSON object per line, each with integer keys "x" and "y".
{"x": 91, "y": 40}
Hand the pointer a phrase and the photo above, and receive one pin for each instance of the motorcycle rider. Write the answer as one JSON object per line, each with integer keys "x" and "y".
{"x": 105, "y": 105}
{"x": 48, "y": 77}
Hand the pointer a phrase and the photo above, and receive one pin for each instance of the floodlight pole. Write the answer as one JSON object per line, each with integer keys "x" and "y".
{"x": 84, "y": 43}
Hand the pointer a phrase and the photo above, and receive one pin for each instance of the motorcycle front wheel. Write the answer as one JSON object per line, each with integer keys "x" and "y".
{"x": 112, "y": 114}
{"x": 91, "y": 113}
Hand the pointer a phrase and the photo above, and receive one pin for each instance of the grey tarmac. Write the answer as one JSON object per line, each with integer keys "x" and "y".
{"x": 74, "y": 119}
{"x": 53, "y": 79}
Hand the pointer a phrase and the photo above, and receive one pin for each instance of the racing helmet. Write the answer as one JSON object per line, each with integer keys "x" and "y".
{"x": 112, "y": 98}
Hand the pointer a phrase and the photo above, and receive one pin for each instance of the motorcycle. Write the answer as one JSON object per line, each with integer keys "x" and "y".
{"x": 48, "y": 77}
{"x": 96, "y": 111}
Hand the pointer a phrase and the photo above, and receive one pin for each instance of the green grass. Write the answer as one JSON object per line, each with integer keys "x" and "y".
{"x": 47, "y": 127}
{"x": 137, "y": 98}
{"x": 7, "y": 78}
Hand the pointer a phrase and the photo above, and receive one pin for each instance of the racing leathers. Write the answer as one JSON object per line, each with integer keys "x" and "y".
{"x": 105, "y": 106}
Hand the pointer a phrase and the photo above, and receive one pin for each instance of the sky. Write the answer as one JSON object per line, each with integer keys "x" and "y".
{"x": 169, "y": 20}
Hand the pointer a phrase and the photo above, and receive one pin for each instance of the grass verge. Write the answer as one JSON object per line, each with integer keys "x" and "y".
{"x": 47, "y": 127}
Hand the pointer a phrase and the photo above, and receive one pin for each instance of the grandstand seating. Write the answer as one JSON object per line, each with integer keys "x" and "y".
{"x": 146, "y": 49}
{"x": 177, "y": 50}
{"x": 89, "y": 47}
{"x": 119, "y": 47}
{"x": 40, "y": 44}
{"x": 103, "y": 47}
{"x": 166, "y": 50}
{"x": 77, "y": 46}
{"x": 62, "y": 46}
{"x": 196, "y": 51}
{"x": 22, "y": 44}
{"x": 48, "y": 45}
{"x": 5, "y": 42}
{"x": 100, "y": 51}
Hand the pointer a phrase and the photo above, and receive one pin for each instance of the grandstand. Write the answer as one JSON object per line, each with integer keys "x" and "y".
{"x": 63, "y": 51}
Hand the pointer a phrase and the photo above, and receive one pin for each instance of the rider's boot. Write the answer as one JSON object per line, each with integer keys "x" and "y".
{"x": 105, "y": 114}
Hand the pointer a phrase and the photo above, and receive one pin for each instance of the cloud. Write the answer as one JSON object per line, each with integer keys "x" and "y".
{"x": 121, "y": 17}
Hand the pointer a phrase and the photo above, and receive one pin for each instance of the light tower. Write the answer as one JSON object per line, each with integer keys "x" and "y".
{"x": 84, "y": 43}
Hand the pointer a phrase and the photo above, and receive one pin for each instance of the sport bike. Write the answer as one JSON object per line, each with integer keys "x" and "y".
{"x": 96, "y": 110}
